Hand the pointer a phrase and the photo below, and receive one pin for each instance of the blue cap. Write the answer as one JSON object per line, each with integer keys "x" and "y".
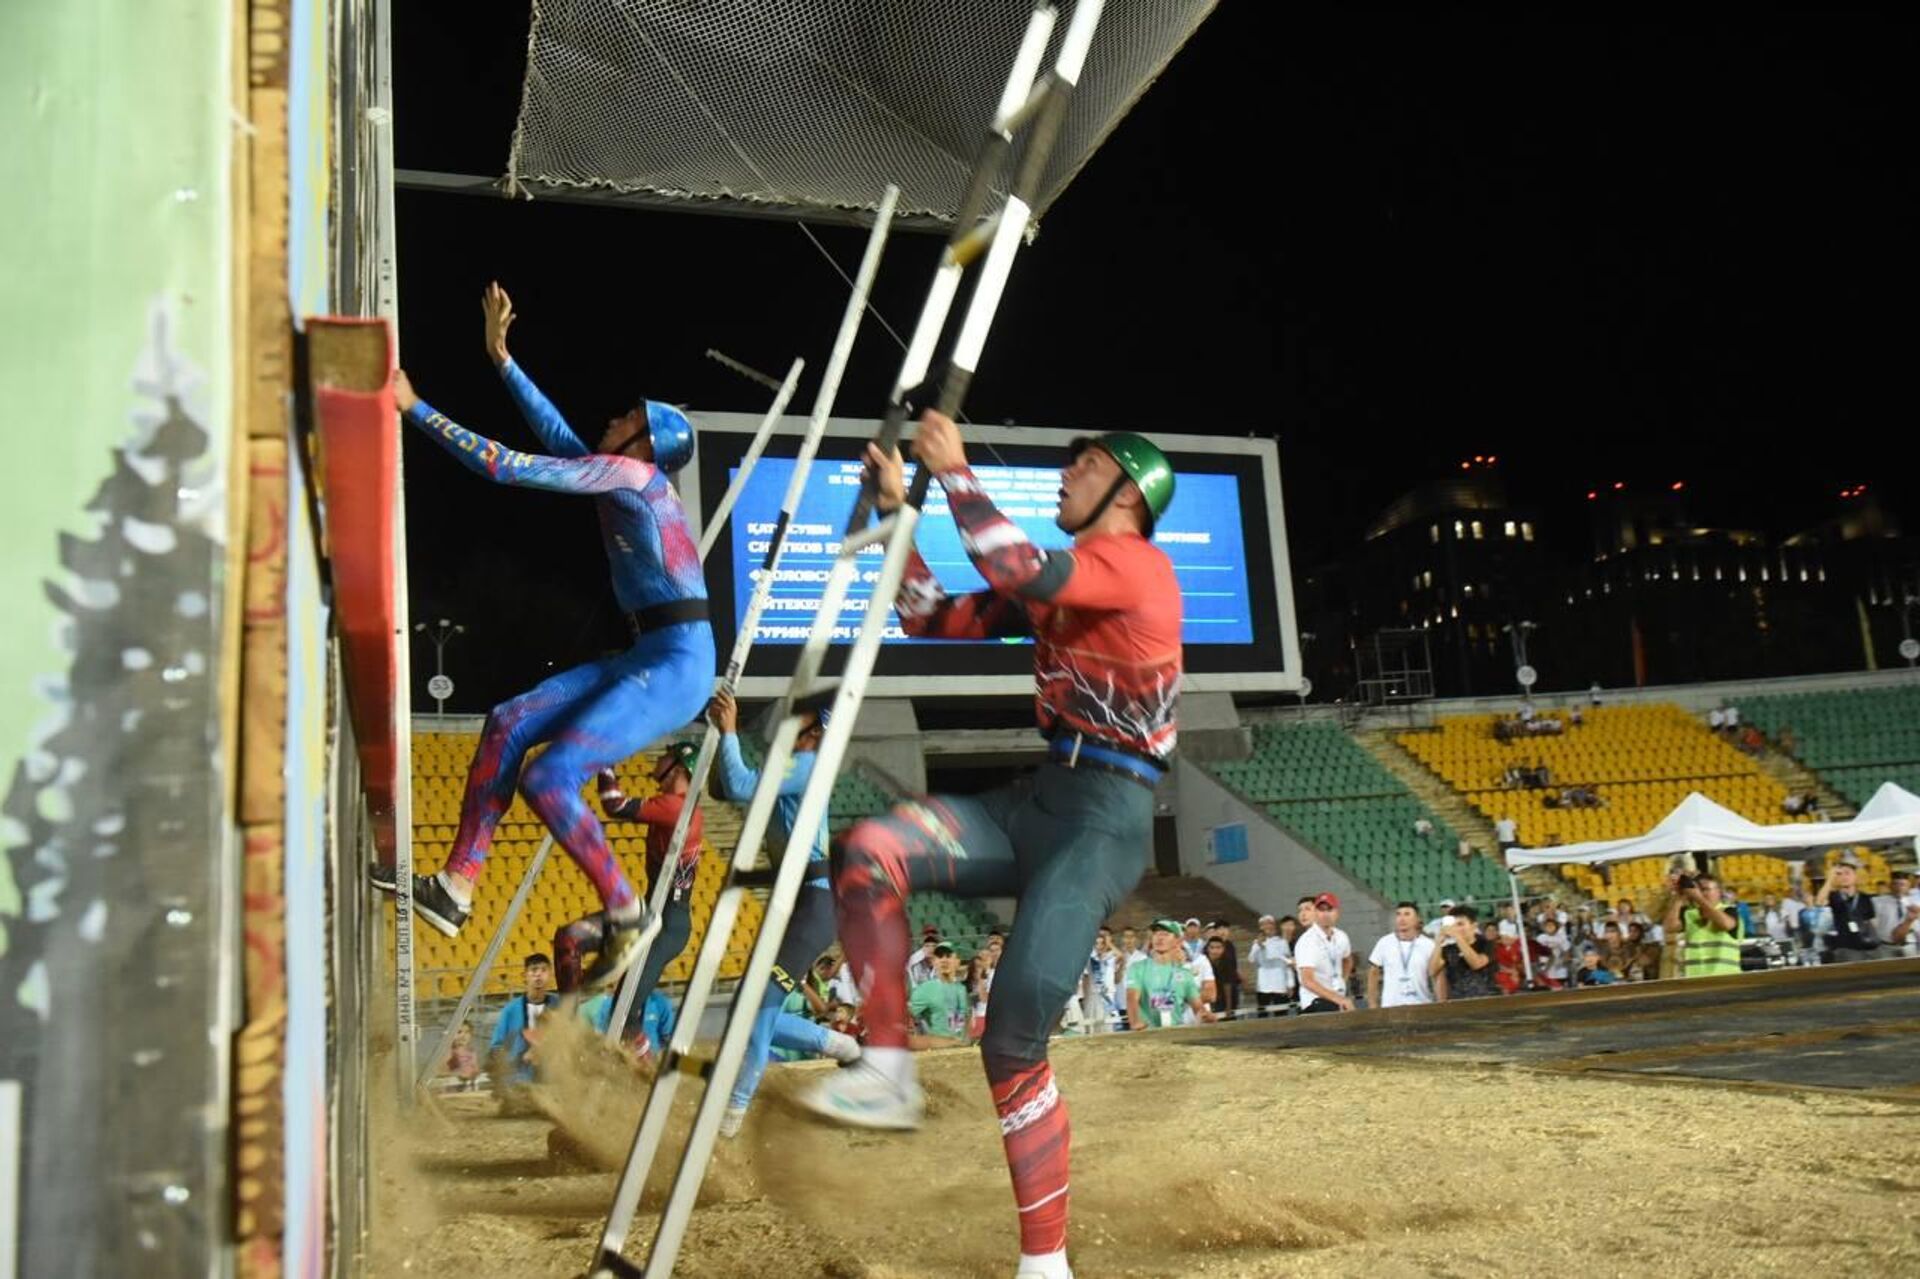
{"x": 672, "y": 436}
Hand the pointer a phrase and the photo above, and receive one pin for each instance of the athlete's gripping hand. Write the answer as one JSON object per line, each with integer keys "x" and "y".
{"x": 938, "y": 445}
{"x": 498, "y": 308}
{"x": 722, "y": 713}
{"x": 403, "y": 390}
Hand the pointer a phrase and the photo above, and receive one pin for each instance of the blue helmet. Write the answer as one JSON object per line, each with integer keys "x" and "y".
{"x": 672, "y": 436}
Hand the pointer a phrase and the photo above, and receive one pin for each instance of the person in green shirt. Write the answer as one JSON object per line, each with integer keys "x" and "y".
{"x": 940, "y": 1007}
{"x": 1712, "y": 932}
{"x": 1159, "y": 988}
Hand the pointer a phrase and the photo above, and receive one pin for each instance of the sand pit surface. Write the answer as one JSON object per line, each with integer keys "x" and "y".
{"x": 1194, "y": 1160}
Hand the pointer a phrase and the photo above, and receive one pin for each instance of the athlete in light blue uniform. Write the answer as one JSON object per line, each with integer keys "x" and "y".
{"x": 809, "y": 932}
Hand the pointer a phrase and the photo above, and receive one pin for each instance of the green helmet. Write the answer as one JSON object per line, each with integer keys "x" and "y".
{"x": 675, "y": 755}
{"x": 1142, "y": 462}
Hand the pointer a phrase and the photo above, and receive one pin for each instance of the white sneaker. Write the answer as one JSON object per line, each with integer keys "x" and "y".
{"x": 841, "y": 1047}
{"x": 865, "y": 1098}
{"x": 731, "y": 1121}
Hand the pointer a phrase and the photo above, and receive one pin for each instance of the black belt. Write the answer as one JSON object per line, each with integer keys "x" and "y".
{"x": 673, "y": 613}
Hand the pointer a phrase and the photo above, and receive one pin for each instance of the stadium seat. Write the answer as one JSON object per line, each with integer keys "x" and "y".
{"x": 1641, "y": 760}
{"x": 443, "y": 964}
{"x": 1323, "y": 786}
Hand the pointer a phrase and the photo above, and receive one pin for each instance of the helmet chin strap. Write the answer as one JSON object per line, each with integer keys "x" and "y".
{"x": 640, "y": 433}
{"x": 1105, "y": 502}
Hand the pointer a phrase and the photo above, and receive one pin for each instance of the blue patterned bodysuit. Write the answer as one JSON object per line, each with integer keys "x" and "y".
{"x": 596, "y": 715}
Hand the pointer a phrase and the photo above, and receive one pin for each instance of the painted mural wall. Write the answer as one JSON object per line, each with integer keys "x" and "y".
{"x": 116, "y": 348}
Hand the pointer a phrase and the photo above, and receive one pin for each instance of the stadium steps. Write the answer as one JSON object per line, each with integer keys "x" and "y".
{"x": 1799, "y": 779}
{"x": 1186, "y": 897}
{"x": 1451, "y": 805}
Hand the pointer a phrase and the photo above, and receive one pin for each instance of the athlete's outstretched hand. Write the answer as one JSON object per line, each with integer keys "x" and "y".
{"x": 403, "y": 390}
{"x": 498, "y": 308}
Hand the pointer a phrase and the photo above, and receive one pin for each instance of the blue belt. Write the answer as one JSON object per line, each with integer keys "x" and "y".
{"x": 1076, "y": 750}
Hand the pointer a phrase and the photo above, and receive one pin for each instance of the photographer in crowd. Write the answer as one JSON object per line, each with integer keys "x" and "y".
{"x": 1711, "y": 934}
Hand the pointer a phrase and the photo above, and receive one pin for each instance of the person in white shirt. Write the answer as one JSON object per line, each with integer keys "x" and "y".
{"x": 1506, "y": 832}
{"x": 1897, "y": 915}
{"x": 920, "y": 966}
{"x": 1508, "y": 926}
{"x": 1103, "y": 987}
{"x": 1193, "y": 942}
{"x": 1321, "y": 956}
{"x": 1397, "y": 970}
{"x": 1202, "y": 971}
{"x": 1775, "y": 921}
{"x": 1272, "y": 959}
{"x": 1131, "y": 951}
{"x": 1556, "y": 944}
{"x": 1443, "y": 919}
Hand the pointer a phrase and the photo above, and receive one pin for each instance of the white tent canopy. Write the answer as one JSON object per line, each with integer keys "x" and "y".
{"x": 1698, "y": 825}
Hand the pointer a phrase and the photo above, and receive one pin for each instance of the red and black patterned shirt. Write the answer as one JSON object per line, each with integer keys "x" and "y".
{"x": 1104, "y": 615}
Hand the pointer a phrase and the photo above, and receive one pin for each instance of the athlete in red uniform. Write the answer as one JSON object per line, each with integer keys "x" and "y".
{"x": 1070, "y": 840}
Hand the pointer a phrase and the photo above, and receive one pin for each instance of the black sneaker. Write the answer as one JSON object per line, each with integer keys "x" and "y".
{"x": 433, "y": 903}
{"x": 382, "y": 876}
{"x": 618, "y": 951}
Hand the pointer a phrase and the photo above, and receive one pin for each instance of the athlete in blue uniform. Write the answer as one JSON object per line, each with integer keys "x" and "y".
{"x": 595, "y": 715}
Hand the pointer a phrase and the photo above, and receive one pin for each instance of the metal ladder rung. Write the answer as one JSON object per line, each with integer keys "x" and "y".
{"x": 968, "y": 248}
{"x": 818, "y": 696}
{"x": 612, "y": 1263}
{"x": 1035, "y": 100}
{"x": 687, "y": 1064}
{"x": 872, "y": 535}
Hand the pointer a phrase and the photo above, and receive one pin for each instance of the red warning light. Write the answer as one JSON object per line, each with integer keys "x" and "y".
{"x": 1618, "y": 485}
{"x": 1592, "y": 495}
{"x": 1678, "y": 485}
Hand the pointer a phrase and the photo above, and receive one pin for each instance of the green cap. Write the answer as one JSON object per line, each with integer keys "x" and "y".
{"x": 1144, "y": 464}
{"x": 1166, "y": 925}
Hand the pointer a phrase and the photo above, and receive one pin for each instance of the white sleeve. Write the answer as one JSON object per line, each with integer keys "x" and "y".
{"x": 1380, "y": 953}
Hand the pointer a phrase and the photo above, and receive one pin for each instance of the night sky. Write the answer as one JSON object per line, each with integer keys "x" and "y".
{"x": 1644, "y": 252}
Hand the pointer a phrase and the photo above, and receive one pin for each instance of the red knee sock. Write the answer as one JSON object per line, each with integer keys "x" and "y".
{"x": 1033, "y": 1125}
{"x": 868, "y": 887}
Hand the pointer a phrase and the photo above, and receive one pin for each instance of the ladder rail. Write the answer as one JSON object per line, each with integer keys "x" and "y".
{"x": 856, "y": 308}
{"x": 792, "y": 873}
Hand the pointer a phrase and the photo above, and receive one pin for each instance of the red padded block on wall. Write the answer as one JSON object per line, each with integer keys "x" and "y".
{"x": 350, "y": 365}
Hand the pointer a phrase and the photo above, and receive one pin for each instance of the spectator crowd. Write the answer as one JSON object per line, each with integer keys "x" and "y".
{"x": 1166, "y": 972}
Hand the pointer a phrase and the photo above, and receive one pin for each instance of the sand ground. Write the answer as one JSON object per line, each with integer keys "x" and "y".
{"x": 1196, "y": 1160}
